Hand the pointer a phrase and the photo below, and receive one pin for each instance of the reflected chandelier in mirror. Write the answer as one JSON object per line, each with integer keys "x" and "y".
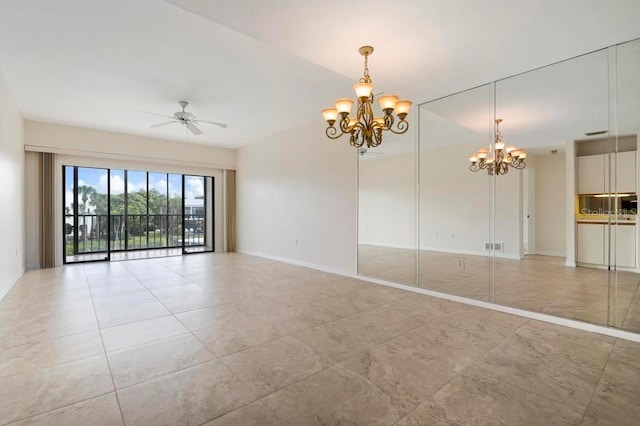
{"x": 497, "y": 159}
{"x": 366, "y": 129}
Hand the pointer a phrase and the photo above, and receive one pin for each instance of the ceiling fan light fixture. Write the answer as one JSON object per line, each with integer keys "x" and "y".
{"x": 186, "y": 118}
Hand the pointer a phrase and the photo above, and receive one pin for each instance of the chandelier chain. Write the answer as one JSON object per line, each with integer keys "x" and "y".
{"x": 366, "y": 78}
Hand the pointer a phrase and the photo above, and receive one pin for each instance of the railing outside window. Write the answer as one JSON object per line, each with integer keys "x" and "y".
{"x": 138, "y": 231}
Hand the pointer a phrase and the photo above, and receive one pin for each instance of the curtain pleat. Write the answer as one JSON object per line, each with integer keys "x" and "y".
{"x": 230, "y": 210}
{"x": 47, "y": 221}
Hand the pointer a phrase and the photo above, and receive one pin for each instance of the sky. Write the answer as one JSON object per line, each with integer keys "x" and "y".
{"x": 136, "y": 181}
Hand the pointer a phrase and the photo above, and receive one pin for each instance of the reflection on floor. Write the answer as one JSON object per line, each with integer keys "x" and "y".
{"x": 135, "y": 254}
{"x": 536, "y": 283}
{"x": 237, "y": 340}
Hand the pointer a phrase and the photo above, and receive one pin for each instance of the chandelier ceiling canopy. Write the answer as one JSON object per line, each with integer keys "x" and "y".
{"x": 497, "y": 159}
{"x": 365, "y": 128}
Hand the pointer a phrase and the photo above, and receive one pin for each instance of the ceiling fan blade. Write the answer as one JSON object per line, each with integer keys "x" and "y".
{"x": 223, "y": 125}
{"x": 163, "y": 124}
{"x": 155, "y": 113}
{"x": 193, "y": 129}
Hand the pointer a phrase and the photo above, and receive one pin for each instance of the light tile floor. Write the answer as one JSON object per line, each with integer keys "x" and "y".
{"x": 228, "y": 339}
{"x": 536, "y": 283}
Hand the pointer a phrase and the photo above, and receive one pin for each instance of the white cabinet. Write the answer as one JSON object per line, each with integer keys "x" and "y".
{"x": 591, "y": 174}
{"x": 623, "y": 252}
{"x": 626, "y": 172}
{"x": 591, "y": 243}
{"x": 594, "y": 242}
{"x": 594, "y": 177}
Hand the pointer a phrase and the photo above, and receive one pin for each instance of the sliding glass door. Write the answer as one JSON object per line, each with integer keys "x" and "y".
{"x": 109, "y": 213}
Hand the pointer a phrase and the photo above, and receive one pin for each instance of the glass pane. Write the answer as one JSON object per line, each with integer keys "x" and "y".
{"x": 158, "y": 209}
{"x": 455, "y": 203}
{"x": 85, "y": 223}
{"x": 92, "y": 203}
{"x": 194, "y": 210}
{"x": 387, "y": 209}
{"x": 624, "y": 295}
{"x": 136, "y": 210}
{"x": 174, "y": 230}
{"x": 549, "y": 113}
{"x": 116, "y": 208}
{"x": 69, "y": 223}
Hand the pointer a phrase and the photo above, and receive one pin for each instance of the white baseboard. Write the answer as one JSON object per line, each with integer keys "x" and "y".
{"x": 600, "y": 329}
{"x": 499, "y": 254}
{"x": 368, "y": 243}
{"x": 298, "y": 263}
{"x": 6, "y": 290}
{"x": 550, "y": 253}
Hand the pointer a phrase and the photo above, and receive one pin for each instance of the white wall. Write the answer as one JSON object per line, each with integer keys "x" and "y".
{"x": 79, "y": 141}
{"x": 296, "y": 198}
{"x": 11, "y": 191}
{"x": 387, "y": 201}
{"x": 550, "y": 186}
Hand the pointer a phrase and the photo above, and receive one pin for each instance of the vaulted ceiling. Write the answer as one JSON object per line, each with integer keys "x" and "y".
{"x": 265, "y": 66}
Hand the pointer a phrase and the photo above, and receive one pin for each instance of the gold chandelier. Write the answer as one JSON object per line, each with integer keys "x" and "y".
{"x": 365, "y": 128}
{"x": 497, "y": 158}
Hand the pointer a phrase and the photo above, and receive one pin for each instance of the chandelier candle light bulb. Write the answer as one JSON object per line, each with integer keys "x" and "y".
{"x": 497, "y": 159}
{"x": 365, "y": 128}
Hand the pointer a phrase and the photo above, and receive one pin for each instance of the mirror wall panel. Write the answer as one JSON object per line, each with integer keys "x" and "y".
{"x": 624, "y": 296}
{"x": 387, "y": 232}
{"x": 455, "y": 204}
{"x": 544, "y": 111}
{"x": 558, "y": 237}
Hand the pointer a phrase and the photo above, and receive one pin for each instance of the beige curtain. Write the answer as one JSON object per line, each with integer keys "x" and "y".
{"x": 47, "y": 221}
{"x": 230, "y": 211}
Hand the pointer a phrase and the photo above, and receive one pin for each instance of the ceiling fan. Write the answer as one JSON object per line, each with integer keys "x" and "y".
{"x": 365, "y": 151}
{"x": 186, "y": 118}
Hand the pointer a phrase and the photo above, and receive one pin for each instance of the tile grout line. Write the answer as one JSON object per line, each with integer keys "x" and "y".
{"x": 104, "y": 349}
{"x": 628, "y": 310}
{"x": 259, "y": 398}
{"x": 56, "y": 409}
{"x": 595, "y": 389}
{"x": 515, "y": 385}
{"x": 256, "y": 398}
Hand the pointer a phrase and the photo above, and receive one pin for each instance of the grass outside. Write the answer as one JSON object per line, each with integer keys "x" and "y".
{"x": 156, "y": 240}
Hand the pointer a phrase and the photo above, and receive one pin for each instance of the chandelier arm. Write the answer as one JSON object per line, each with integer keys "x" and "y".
{"x": 388, "y": 121}
{"x": 355, "y": 140}
{"x": 519, "y": 165}
{"x": 402, "y": 126}
{"x": 377, "y": 136}
{"x": 332, "y": 132}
